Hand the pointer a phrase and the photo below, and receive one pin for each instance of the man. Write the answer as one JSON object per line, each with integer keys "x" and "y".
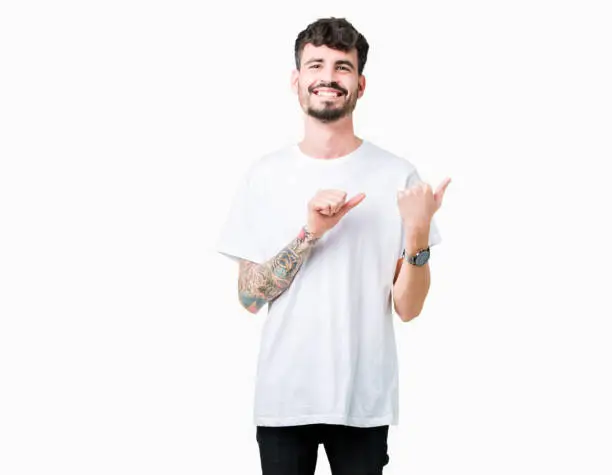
{"x": 324, "y": 238}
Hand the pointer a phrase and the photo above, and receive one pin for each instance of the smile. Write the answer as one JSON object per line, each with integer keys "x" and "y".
{"x": 327, "y": 93}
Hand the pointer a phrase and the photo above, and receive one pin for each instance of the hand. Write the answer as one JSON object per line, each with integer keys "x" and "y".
{"x": 327, "y": 208}
{"x": 418, "y": 204}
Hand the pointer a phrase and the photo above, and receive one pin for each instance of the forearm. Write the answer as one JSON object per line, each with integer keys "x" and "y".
{"x": 262, "y": 283}
{"x": 412, "y": 285}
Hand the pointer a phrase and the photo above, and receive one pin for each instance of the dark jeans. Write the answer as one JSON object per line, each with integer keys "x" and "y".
{"x": 350, "y": 450}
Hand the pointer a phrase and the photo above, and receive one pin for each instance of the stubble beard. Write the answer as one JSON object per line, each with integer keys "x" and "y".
{"x": 328, "y": 112}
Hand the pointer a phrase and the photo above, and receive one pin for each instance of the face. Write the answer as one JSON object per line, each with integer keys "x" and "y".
{"x": 328, "y": 83}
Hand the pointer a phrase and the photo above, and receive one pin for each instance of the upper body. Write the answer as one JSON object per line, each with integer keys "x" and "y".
{"x": 327, "y": 350}
{"x": 329, "y": 267}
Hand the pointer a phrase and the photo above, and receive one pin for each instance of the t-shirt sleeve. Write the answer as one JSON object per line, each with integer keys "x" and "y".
{"x": 240, "y": 235}
{"x": 434, "y": 232}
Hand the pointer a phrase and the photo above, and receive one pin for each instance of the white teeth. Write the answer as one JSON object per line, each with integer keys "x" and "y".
{"x": 327, "y": 94}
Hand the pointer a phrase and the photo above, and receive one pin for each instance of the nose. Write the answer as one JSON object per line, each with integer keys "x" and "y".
{"x": 328, "y": 73}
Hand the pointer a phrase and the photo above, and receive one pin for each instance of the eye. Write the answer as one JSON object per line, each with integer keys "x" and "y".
{"x": 314, "y": 66}
{"x": 344, "y": 67}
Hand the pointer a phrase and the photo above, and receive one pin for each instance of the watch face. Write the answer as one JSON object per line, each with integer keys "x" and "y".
{"x": 422, "y": 258}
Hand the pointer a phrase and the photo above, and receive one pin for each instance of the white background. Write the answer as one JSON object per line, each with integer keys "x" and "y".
{"x": 125, "y": 127}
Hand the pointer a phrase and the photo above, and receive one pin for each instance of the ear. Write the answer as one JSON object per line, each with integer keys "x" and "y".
{"x": 361, "y": 85}
{"x": 295, "y": 75}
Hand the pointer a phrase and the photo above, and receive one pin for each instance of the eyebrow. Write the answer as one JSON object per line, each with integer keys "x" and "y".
{"x": 339, "y": 62}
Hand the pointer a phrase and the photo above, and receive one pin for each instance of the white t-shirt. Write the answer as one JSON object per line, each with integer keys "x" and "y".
{"x": 327, "y": 352}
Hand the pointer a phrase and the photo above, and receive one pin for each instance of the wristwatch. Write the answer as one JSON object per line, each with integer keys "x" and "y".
{"x": 419, "y": 259}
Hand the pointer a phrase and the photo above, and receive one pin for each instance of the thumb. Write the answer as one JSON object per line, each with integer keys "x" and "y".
{"x": 439, "y": 194}
{"x": 354, "y": 201}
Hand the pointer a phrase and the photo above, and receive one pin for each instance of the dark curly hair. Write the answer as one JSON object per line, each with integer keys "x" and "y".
{"x": 336, "y": 33}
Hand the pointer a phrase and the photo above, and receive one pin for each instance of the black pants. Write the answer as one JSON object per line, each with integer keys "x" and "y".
{"x": 293, "y": 450}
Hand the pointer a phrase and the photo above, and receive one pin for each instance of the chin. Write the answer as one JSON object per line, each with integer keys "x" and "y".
{"x": 327, "y": 115}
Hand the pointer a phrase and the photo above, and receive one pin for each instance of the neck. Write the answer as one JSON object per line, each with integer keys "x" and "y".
{"x": 329, "y": 140}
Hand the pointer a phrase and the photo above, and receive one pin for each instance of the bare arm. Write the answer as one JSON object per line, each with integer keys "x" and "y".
{"x": 411, "y": 284}
{"x": 259, "y": 284}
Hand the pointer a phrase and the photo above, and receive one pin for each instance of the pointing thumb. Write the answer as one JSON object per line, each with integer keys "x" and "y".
{"x": 354, "y": 201}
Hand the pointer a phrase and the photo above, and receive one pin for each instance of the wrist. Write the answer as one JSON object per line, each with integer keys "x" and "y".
{"x": 416, "y": 239}
{"x": 307, "y": 235}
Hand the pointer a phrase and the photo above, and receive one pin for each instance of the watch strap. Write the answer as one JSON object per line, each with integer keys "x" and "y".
{"x": 413, "y": 258}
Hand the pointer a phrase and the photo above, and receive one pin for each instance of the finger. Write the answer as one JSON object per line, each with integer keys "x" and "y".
{"x": 332, "y": 194}
{"x": 335, "y": 201}
{"x": 354, "y": 201}
{"x": 339, "y": 205}
{"x": 441, "y": 189}
{"x": 406, "y": 192}
{"x": 324, "y": 207}
{"x": 320, "y": 203}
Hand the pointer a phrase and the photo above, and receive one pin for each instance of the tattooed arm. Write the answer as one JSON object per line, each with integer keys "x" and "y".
{"x": 259, "y": 284}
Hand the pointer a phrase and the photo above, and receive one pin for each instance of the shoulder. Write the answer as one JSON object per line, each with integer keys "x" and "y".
{"x": 269, "y": 164}
{"x": 391, "y": 162}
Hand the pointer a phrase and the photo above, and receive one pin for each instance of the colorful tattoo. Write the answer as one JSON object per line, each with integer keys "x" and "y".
{"x": 262, "y": 283}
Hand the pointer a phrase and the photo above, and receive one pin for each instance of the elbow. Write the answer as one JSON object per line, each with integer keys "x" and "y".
{"x": 249, "y": 308}
{"x": 406, "y": 315}
{"x": 250, "y": 303}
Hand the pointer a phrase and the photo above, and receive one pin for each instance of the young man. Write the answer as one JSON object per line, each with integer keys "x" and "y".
{"x": 331, "y": 234}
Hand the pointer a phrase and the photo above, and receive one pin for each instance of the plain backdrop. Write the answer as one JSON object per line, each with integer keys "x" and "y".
{"x": 125, "y": 127}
